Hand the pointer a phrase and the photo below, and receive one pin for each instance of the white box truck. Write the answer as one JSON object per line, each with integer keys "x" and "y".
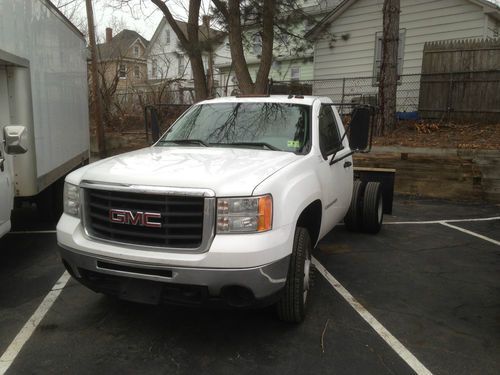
{"x": 44, "y": 127}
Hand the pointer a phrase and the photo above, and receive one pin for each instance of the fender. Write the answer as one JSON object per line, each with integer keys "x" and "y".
{"x": 293, "y": 188}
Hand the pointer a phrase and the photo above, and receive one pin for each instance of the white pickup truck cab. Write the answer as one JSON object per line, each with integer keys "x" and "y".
{"x": 226, "y": 207}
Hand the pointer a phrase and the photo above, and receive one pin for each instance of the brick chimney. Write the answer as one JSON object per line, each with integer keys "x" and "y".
{"x": 109, "y": 34}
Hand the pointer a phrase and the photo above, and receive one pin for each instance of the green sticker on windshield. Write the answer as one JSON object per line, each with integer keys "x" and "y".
{"x": 293, "y": 144}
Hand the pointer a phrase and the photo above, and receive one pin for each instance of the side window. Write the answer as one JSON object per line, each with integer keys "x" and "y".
{"x": 329, "y": 137}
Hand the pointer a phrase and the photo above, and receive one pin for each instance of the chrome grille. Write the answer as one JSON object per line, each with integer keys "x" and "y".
{"x": 182, "y": 218}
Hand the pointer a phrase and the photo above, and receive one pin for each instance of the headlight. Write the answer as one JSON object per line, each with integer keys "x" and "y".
{"x": 71, "y": 199}
{"x": 243, "y": 215}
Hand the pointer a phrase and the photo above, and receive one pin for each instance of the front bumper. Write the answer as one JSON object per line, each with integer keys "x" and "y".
{"x": 152, "y": 283}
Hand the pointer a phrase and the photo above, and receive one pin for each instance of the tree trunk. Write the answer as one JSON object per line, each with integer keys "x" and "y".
{"x": 210, "y": 68}
{"x": 194, "y": 52}
{"x": 266, "y": 59}
{"x": 190, "y": 43}
{"x": 236, "y": 45}
{"x": 389, "y": 67}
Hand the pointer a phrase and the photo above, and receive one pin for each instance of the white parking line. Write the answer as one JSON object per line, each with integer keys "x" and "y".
{"x": 442, "y": 221}
{"x": 17, "y": 344}
{"x": 471, "y": 233}
{"x": 393, "y": 342}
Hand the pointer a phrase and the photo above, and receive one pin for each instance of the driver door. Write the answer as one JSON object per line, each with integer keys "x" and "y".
{"x": 337, "y": 178}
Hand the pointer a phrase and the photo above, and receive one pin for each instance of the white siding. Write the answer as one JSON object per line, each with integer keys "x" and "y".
{"x": 426, "y": 20}
{"x": 166, "y": 55}
{"x": 423, "y": 21}
{"x": 492, "y": 26}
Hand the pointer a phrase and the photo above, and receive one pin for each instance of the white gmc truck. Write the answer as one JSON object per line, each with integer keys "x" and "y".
{"x": 225, "y": 208}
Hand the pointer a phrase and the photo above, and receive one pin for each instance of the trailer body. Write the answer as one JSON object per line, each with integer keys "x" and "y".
{"x": 43, "y": 87}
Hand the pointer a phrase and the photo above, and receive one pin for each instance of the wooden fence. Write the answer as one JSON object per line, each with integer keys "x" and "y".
{"x": 461, "y": 80}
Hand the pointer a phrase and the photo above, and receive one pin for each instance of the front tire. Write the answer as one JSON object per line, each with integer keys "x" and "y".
{"x": 292, "y": 306}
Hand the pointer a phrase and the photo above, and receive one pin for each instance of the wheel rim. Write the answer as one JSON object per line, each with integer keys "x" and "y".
{"x": 307, "y": 270}
{"x": 380, "y": 210}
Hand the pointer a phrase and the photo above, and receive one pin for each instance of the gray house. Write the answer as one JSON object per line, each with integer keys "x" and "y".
{"x": 358, "y": 52}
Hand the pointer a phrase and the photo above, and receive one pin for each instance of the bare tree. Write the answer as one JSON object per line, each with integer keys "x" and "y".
{"x": 74, "y": 11}
{"x": 389, "y": 67}
{"x": 267, "y": 21}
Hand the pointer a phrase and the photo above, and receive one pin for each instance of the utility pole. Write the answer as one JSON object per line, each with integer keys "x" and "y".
{"x": 95, "y": 81}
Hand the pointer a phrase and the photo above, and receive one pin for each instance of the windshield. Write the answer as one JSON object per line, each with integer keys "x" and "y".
{"x": 273, "y": 126}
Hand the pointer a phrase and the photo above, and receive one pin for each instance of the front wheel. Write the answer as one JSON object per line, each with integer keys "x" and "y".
{"x": 293, "y": 303}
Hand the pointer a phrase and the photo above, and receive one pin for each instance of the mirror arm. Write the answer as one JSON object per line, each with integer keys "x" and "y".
{"x": 333, "y": 161}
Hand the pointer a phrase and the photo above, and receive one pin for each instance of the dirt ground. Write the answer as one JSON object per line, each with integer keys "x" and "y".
{"x": 427, "y": 133}
{"x": 423, "y": 133}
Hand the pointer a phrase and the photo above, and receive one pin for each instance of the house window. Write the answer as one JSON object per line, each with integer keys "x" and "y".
{"x": 295, "y": 73}
{"x": 137, "y": 72}
{"x": 122, "y": 73}
{"x": 180, "y": 66}
{"x": 378, "y": 55}
{"x": 136, "y": 51}
{"x": 154, "y": 68}
{"x": 167, "y": 36}
{"x": 257, "y": 44}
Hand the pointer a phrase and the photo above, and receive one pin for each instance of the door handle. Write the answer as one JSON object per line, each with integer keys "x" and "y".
{"x": 347, "y": 164}
{"x": 2, "y": 164}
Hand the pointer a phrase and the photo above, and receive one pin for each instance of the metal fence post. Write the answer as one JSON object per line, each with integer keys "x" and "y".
{"x": 450, "y": 93}
{"x": 343, "y": 93}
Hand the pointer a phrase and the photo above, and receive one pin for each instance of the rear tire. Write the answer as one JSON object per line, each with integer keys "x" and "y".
{"x": 292, "y": 305}
{"x": 373, "y": 208}
{"x": 352, "y": 219}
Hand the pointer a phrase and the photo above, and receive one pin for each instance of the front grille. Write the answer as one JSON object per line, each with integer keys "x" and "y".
{"x": 181, "y": 218}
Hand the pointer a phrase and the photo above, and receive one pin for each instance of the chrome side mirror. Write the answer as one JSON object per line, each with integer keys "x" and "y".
{"x": 16, "y": 139}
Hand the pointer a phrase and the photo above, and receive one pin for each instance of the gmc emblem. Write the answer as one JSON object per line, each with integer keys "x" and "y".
{"x": 143, "y": 219}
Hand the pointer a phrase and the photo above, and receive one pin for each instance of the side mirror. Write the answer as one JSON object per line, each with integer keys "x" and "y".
{"x": 359, "y": 128}
{"x": 16, "y": 139}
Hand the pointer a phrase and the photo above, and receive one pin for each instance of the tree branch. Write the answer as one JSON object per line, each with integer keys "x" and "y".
{"x": 222, "y": 7}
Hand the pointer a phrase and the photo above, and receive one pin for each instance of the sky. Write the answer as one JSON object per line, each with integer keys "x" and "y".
{"x": 142, "y": 16}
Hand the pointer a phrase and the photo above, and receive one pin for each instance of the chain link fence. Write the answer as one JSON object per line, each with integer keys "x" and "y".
{"x": 468, "y": 96}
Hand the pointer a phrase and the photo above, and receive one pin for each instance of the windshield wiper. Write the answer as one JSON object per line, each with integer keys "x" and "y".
{"x": 258, "y": 144}
{"x": 185, "y": 141}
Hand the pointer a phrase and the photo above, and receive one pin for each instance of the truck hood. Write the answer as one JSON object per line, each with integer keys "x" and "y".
{"x": 226, "y": 171}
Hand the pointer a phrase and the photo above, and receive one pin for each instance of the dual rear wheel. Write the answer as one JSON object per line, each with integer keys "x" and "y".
{"x": 366, "y": 211}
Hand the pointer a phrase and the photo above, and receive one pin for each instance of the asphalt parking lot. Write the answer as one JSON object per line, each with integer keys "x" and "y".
{"x": 422, "y": 295}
